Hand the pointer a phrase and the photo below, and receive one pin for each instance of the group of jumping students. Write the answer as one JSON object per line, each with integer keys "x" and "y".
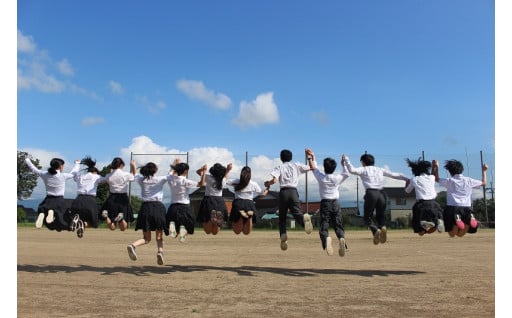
{"x": 457, "y": 218}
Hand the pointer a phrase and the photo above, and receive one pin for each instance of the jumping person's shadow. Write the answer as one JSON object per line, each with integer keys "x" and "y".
{"x": 240, "y": 270}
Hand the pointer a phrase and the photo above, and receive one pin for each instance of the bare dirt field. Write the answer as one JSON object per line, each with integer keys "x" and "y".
{"x": 228, "y": 275}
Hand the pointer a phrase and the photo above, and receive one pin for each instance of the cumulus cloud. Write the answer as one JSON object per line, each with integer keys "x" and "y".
{"x": 116, "y": 88}
{"x": 196, "y": 90}
{"x": 38, "y": 71}
{"x": 90, "y": 121}
{"x": 152, "y": 107}
{"x": 260, "y": 111}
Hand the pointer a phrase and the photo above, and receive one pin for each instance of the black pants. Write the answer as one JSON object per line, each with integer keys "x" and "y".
{"x": 330, "y": 214}
{"x": 375, "y": 199}
{"x": 289, "y": 200}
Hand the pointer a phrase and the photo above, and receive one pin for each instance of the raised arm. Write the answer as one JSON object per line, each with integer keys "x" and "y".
{"x": 202, "y": 173}
{"x": 484, "y": 174}
{"x": 310, "y": 155}
{"x": 435, "y": 169}
{"x": 133, "y": 168}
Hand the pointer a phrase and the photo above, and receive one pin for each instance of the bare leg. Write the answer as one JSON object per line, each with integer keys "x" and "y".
{"x": 237, "y": 226}
{"x": 248, "y": 226}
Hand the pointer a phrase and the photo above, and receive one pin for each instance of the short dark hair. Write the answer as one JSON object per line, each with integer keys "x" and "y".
{"x": 453, "y": 166}
{"x": 286, "y": 155}
{"x": 329, "y": 165}
{"x": 367, "y": 159}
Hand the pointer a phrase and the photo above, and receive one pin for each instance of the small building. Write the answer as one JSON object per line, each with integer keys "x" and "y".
{"x": 400, "y": 203}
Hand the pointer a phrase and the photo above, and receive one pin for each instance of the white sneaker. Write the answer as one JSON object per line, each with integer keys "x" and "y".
{"x": 440, "y": 226}
{"x": 427, "y": 225}
{"x": 50, "y": 217}
{"x": 308, "y": 226}
{"x": 383, "y": 235}
{"x": 119, "y": 217}
{"x": 39, "y": 221}
{"x": 328, "y": 246}
{"x": 104, "y": 214}
{"x": 74, "y": 223}
{"x": 131, "y": 252}
{"x": 376, "y": 237}
{"x": 160, "y": 258}
{"x": 284, "y": 243}
{"x": 183, "y": 234}
{"x": 343, "y": 247}
{"x": 172, "y": 230}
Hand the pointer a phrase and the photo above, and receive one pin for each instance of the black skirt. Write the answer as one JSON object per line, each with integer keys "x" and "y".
{"x": 241, "y": 204}
{"x": 151, "y": 217}
{"x": 209, "y": 203}
{"x": 425, "y": 210}
{"x": 87, "y": 208}
{"x": 58, "y": 205}
{"x": 181, "y": 214}
{"x": 118, "y": 203}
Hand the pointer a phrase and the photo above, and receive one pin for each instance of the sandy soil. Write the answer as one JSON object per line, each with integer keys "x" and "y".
{"x": 228, "y": 275}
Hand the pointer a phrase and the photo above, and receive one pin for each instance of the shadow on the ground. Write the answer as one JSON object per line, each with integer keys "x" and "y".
{"x": 240, "y": 270}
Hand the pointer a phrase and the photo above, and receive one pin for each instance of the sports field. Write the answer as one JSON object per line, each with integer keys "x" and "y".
{"x": 231, "y": 275}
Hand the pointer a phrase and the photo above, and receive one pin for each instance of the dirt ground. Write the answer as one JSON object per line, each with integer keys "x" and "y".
{"x": 228, "y": 275}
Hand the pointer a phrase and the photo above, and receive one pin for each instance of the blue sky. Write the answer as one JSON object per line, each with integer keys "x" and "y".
{"x": 223, "y": 80}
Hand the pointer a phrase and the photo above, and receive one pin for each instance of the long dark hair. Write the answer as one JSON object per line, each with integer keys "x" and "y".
{"x": 180, "y": 168}
{"x": 218, "y": 172}
{"x": 90, "y": 163}
{"x": 419, "y": 166}
{"x": 55, "y": 164}
{"x": 245, "y": 177}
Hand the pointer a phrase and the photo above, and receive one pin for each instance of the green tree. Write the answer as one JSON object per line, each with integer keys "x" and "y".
{"x": 479, "y": 209}
{"x": 27, "y": 180}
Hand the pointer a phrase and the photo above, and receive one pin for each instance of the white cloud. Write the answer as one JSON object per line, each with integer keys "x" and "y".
{"x": 196, "y": 90}
{"x": 65, "y": 68}
{"x": 152, "y": 107}
{"x": 90, "y": 121}
{"x": 26, "y": 44}
{"x": 260, "y": 111}
{"x": 116, "y": 88}
{"x": 37, "y": 71}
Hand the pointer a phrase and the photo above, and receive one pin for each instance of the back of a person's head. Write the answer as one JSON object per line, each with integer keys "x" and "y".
{"x": 286, "y": 155}
{"x": 55, "y": 164}
{"x": 245, "y": 178}
{"x": 117, "y": 163}
{"x": 90, "y": 163}
{"x": 329, "y": 165}
{"x": 218, "y": 172}
{"x": 419, "y": 166}
{"x": 148, "y": 170}
{"x": 180, "y": 168}
{"x": 367, "y": 159}
{"x": 453, "y": 166}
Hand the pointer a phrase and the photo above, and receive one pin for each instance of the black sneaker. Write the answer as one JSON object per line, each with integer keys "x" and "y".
{"x": 80, "y": 229}
{"x": 74, "y": 223}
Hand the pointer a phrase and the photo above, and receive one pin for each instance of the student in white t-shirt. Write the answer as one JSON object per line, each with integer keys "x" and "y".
{"x": 243, "y": 209}
{"x": 427, "y": 214}
{"x": 329, "y": 183}
{"x": 287, "y": 173}
{"x": 179, "y": 214}
{"x": 375, "y": 198}
{"x": 52, "y": 211}
{"x": 85, "y": 209}
{"x": 151, "y": 216}
{"x": 212, "y": 209}
{"x": 458, "y": 213}
{"x": 117, "y": 209}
